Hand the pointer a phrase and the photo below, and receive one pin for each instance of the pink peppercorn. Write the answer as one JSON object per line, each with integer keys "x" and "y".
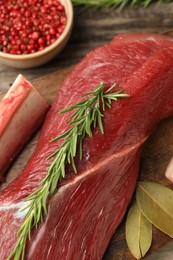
{"x": 28, "y": 26}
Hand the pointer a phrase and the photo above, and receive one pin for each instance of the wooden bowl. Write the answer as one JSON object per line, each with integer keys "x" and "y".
{"x": 36, "y": 59}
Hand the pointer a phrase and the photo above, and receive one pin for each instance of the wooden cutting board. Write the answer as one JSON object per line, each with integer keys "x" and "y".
{"x": 156, "y": 154}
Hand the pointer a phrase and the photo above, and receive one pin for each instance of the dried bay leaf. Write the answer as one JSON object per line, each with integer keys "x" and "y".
{"x": 156, "y": 203}
{"x": 138, "y": 232}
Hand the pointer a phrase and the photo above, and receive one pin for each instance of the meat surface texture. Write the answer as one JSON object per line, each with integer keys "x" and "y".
{"x": 22, "y": 111}
{"x": 88, "y": 206}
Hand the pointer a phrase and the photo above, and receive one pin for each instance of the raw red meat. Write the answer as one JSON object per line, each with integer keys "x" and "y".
{"x": 88, "y": 207}
{"x": 22, "y": 111}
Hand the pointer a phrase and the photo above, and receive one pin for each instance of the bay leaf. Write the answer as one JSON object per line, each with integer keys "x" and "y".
{"x": 138, "y": 232}
{"x": 156, "y": 203}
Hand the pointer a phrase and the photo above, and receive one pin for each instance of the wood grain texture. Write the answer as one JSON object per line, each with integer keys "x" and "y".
{"x": 156, "y": 154}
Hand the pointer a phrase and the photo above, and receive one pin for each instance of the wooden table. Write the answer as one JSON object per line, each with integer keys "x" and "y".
{"x": 93, "y": 28}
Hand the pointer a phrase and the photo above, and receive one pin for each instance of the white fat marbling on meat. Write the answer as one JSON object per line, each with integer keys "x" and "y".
{"x": 20, "y": 211}
{"x": 78, "y": 178}
{"x": 20, "y": 207}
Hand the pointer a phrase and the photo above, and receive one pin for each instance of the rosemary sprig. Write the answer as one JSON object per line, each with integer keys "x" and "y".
{"x": 87, "y": 115}
{"x": 114, "y": 3}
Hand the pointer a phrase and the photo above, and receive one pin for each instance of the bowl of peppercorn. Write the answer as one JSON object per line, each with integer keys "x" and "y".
{"x": 33, "y": 32}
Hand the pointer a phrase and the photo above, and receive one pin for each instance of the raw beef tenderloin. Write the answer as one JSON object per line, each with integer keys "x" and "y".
{"x": 88, "y": 206}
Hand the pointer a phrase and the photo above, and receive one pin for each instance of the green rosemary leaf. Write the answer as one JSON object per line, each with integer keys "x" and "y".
{"x": 73, "y": 165}
{"x": 109, "y": 97}
{"x": 122, "y": 95}
{"x": 108, "y": 104}
{"x": 53, "y": 155}
{"x": 98, "y": 111}
{"x": 100, "y": 123}
{"x": 93, "y": 114}
{"x": 23, "y": 252}
{"x": 146, "y": 3}
{"x": 114, "y": 3}
{"x": 68, "y": 157}
{"x": 113, "y": 86}
{"x": 120, "y": 91}
{"x": 103, "y": 102}
{"x": 134, "y": 2}
{"x": 95, "y": 121}
{"x": 29, "y": 234}
{"x": 39, "y": 212}
{"x": 88, "y": 125}
{"x": 80, "y": 104}
{"x": 73, "y": 121}
{"x": 74, "y": 143}
{"x": 61, "y": 136}
{"x": 87, "y": 115}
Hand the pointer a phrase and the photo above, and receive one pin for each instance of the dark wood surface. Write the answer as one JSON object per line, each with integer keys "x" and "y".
{"x": 93, "y": 28}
